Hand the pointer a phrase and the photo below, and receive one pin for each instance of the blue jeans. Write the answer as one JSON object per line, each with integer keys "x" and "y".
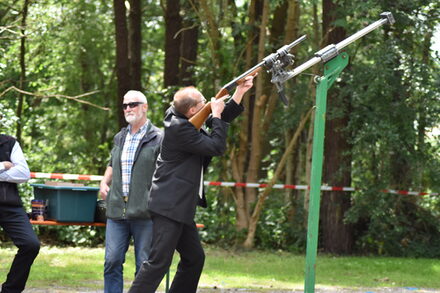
{"x": 117, "y": 239}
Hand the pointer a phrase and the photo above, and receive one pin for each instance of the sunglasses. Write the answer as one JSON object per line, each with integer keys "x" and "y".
{"x": 131, "y": 105}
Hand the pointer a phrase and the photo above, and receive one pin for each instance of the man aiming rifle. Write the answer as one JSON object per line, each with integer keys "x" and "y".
{"x": 177, "y": 187}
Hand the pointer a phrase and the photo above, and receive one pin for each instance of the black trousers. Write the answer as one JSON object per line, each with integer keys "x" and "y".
{"x": 169, "y": 235}
{"x": 15, "y": 223}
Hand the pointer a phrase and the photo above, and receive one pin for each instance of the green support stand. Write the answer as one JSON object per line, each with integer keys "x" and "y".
{"x": 332, "y": 69}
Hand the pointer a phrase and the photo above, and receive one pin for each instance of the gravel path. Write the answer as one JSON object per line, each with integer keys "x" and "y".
{"x": 242, "y": 290}
{"x": 328, "y": 290}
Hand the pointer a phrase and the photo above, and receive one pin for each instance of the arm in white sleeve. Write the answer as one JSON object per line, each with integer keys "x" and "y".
{"x": 19, "y": 172}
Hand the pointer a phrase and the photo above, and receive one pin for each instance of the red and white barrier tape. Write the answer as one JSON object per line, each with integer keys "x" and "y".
{"x": 66, "y": 176}
{"x": 304, "y": 187}
{"x": 277, "y": 186}
{"x": 406, "y": 192}
{"x": 228, "y": 184}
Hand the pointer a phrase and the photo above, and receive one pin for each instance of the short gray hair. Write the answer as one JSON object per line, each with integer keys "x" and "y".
{"x": 185, "y": 98}
{"x": 136, "y": 94}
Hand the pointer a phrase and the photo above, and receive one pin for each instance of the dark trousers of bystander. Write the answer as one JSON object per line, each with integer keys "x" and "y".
{"x": 169, "y": 235}
{"x": 16, "y": 225}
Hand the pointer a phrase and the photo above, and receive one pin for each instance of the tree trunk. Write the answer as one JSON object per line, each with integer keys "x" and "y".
{"x": 241, "y": 154}
{"x": 249, "y": 242}
{"x": 214, "y": 38}
{"x": 312, "y": 89}
{"x": 400, "y": 167}
{"x": 22, "y": 71}
{"x": 122, "y": 61}
{"x": 135, "y": 44}
{"x": 260, "y": 98}
{"x": 188, "y": 50}
{"x": 173, "y": 24}
{"x": 256, "y": 122}
{"x": 291, "y": 28}
{"x": 279, "y": 25}
{"x": 290, "y": 169}
{"x": 337, "y": 237}
{"x": 259, "y": 122}
{"x": 421, "y": 119}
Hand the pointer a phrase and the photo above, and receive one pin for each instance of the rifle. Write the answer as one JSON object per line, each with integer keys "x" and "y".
{"x": 275, "y": 64}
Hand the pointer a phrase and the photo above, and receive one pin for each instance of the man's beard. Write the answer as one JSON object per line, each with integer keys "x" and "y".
{"x": 132, "y": 118}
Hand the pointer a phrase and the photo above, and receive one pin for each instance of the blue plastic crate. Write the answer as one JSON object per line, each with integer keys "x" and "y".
{"x": 66, "y": 203}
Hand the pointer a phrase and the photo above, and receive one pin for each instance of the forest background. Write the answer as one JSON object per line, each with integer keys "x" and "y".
{"x": 65, "y": 65}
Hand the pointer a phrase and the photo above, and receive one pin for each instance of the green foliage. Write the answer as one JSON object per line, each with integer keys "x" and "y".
{"x": 394, "y": 101}
{"x": 7, "y": 120}
{"x": 280, "y": 224}
{"x": 71, "y": 235}
{"x": 396, "y": 225}
{"x": 218, "y": 219}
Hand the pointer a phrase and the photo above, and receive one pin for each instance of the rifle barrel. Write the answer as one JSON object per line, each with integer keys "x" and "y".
{"x": 232, "y": 84}
{"x": 296, "y": 42}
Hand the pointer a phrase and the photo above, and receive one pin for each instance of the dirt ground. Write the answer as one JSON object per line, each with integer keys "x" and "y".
{"x": 243, "y": 290}
{"x": 328, "y": 290}
{"x": 351, "y": 290}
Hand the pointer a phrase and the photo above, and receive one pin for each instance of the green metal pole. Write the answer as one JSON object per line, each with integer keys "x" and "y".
{"x": 332, "y": 69}
{"x": 315, "y": 185}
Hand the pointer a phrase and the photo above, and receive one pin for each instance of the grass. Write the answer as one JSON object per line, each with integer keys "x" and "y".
{"x": 81, "y": 268}
{"x": 286, "y": 271}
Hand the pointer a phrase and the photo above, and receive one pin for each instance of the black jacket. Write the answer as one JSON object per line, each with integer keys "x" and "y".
{"x": 184, "y": 150}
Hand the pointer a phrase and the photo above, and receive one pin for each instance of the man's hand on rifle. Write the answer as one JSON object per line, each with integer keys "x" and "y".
{"x": 217, "y": 106}
{"x": 243, "y": 85}
{"x": 243, "y": 88}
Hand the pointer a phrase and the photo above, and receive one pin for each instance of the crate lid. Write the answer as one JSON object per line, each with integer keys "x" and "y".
{"x": 62, "y": 183}
{"x": 74, "y": 188}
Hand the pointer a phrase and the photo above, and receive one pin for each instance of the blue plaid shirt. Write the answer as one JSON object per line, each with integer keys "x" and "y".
{"x": 127, "y": 157}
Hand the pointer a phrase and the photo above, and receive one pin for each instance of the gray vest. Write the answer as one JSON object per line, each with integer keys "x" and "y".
{"x": 8, "y": 191}
{"x": 141, "y": 174}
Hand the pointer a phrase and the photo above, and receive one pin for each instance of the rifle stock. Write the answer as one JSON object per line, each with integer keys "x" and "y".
{"x": 200, "y": 117}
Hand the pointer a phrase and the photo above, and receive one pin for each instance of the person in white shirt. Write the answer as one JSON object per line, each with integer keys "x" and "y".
{"x": 13, "y": 218}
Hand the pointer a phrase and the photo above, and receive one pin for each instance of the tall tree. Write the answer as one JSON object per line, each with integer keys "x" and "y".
{"x": 122, "y": 61}
{"x": 135, "y": 44}
{"x": 244, "y": 197}
{"x": 292, "y": 28}
{"x": 337, "y": 236}
{"x": 264, "y": 109}
{"x": 214, "y": 39}
{"x": 22, "y": 70}
{"x": 128, "y": 50}
{"x": 189, "y": 46}
{"x": 173, "y": 25}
